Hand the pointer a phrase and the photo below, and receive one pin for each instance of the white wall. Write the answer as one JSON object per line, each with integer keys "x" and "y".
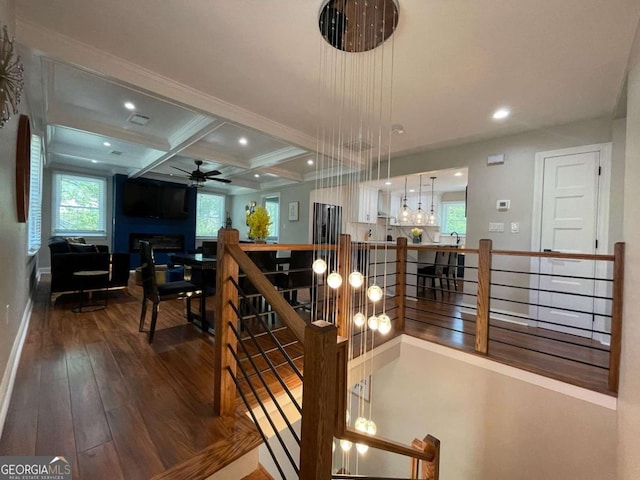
{"x": 492, "y": 426}
{"x": 18, "y": 269}
{"x": 513, "y": 180}
{"x": 629, "y": 392}
{"x": 290, "y": 231}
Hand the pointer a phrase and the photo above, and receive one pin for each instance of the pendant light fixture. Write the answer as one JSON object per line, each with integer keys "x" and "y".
{"x": 420, "y": 217}
{"x": 405, "y": 215}
{"x": 432, "y": 218}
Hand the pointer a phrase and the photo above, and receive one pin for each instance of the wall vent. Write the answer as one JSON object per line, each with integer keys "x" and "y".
{"x": 138, "y": 119}
{"x": 357, "y": 146}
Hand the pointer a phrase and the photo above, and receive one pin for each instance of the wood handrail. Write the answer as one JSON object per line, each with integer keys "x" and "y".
{"x": 285, "y": 312}
{"x": 388, "y": 445}
{"x": 254, "y": 247}
{"x": 567, "y": 256}
{"x": 433, "y": 248}
{"x": 616, "y": 317}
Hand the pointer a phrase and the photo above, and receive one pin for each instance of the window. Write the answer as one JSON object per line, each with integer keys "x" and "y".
{"x": 272, "y": 204}
{"x": 34, "y": 225}
{"x": 453, "y": 219}
{"x": 79, "y": 205}
{"x": 209, "y": 215}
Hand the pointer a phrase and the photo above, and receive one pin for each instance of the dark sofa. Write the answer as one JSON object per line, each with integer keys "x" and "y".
{"x": 73, "y": 255}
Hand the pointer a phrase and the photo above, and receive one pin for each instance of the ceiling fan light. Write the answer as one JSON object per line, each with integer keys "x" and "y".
{"x": 197, "y": 182}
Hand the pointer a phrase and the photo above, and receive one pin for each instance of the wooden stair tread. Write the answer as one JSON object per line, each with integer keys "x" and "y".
{"x": 259, "y": 474}
{"x": 216, "y": 456}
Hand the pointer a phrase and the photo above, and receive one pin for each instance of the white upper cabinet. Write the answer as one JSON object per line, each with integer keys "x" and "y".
{"x": 366, "y": 203}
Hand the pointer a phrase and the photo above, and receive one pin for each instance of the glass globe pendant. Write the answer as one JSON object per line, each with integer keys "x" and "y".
{"x": 374, "y": 292}
{"x": 360, "y": 424}
{"x": 432, "y": 217}
{"x": 319, "y": 266}
{"x": 345, "y": 445}
{"x": 362, "y": 449}
{"x": 405, "y": 215}
{"x": 359, "y": 319}
{"x": 356, "y": 279}
{"x": 420, "y": 217}
{"x": 334, "y": 280}
{"x": 371, "y": 427}
{"x": 373, "y": 322}
{"x": 384, "y": 323}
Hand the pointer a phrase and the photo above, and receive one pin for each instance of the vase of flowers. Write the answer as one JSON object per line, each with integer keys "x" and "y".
{"x": 259, "y": 222}
{"x": 416, "y": 234}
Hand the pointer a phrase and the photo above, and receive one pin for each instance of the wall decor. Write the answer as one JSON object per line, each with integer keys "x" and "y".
{"x": 362, "y": 389}
{"x": 11, "y": 78}
{"x": 294, "y": 211}
{"x": 23, "y": 168}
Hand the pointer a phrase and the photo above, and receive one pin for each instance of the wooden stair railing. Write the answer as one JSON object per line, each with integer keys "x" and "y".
{"x": 325, "y": 373}
{"x": 421, "y": 469}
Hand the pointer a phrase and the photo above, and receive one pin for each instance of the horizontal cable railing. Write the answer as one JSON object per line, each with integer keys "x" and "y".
{"x": 555, "y": 313}
{"x": 441, "y": 298}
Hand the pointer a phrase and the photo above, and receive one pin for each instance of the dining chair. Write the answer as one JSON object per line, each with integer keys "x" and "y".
{"x": 266, "y": 262}
{"x": 299, "y": 276}
{"x": 432, "y": 272}
{"x": 157, "y": 292}
{"x": 449, "y": 271}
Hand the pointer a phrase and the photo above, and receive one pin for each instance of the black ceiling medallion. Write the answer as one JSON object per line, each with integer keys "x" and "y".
{"x": 347, "y": 24}
{"x": 11, "y": 78}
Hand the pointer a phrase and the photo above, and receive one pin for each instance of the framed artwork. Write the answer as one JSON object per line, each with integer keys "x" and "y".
{"x": 23, "y": 168}
{"x": 294, "y": 214}
{"x": 362, "y": 389}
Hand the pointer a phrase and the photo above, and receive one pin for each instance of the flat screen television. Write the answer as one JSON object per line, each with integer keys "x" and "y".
{"x": 153, "y": 200}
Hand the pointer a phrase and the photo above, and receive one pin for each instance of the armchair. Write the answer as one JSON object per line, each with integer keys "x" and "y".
{"x": 69, "y": 256}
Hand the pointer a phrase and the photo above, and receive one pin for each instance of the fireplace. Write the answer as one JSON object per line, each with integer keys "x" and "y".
{"x": 161, "y": 242}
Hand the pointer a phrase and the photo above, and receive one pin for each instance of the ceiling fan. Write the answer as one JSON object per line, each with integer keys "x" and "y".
{"x": 198, "y": 177}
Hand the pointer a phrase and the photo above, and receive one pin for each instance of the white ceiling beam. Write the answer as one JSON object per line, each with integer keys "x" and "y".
{"x": 202, "y": 151}
{"x": 63, "y": 119}
{"x": 196, "y": 137}
{"x": 285, "y": 154}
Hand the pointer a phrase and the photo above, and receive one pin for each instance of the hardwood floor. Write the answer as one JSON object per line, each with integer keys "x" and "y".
{"x": 569, "y": 358}
{"x": 90, "y": 387}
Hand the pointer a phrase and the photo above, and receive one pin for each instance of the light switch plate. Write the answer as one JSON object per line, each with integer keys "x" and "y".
{"x": 496, "y": 227}
{"x": 497, "y": 159}
{"x": 503, "y": 205}
{"x": 515, "y": 227}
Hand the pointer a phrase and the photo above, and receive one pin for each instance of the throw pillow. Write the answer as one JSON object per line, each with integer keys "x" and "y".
{"x": 82, "y": 247}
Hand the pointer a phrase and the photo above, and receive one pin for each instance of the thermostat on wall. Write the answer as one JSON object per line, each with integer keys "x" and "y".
{"x": 503, "y": 205}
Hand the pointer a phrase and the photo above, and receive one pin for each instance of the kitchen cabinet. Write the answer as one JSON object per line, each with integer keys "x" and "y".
{"x": 366, "y": 202}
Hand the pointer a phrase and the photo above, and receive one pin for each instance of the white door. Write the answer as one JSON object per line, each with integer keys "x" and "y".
{"x": 569, "y": 225}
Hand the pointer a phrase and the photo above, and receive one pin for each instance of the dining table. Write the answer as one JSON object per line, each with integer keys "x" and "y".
{"x": 206, "y": 266}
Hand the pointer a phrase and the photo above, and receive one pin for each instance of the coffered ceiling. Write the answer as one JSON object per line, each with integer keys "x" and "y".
{"x": 203, "y": 75}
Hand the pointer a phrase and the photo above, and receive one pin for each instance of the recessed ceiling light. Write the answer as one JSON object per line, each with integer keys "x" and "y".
{"x": 106, "y": 144}
{"x": 94, "y": 161}
{"x": 129, "y": 106}
{"x": 411, "y": 190}
{"x": 387, "y": 183}
{"x": 501, "y": 113}
{"x": 243, "y": 141}
{"x": 256, "y": 175}
{"x": 457, "y": 174}
{"x": 309, "y": 162}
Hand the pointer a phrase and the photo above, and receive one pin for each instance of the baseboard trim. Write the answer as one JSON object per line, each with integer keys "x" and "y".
{"x": 9, "y": 377}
